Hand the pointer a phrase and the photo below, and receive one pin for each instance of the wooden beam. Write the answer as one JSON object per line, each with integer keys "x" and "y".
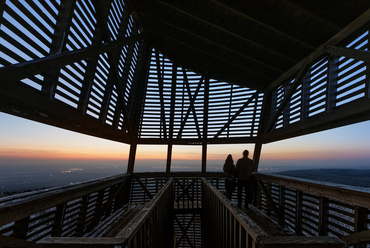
{"x": 161, "y": 98}
{"x": 360, "y": 55}
{"x": 196, "y": 141}
{"x": 219, "y": 46}
{"x": 215, "y": 58}
{"x": 23, "y": 101}
{"x": 144, "y": 187}
{"x": 263, "y": 25}
{"x": 298, "y": 79}
{"x": 353, "y": 27}
{"x": 237, "y": 113}
{"x": 350, "y": 113}
{"x": 357, "y": 238}
{"x": 271, "y": 202}
{"x": 61, "y": 33}
{"x": 224, "y": 30}
{"x": 16, "y": 72}
{"x": 191, "y": 105}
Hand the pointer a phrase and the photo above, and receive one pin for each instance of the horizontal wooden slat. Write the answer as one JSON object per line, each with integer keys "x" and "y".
{"x": 336, "y": 192}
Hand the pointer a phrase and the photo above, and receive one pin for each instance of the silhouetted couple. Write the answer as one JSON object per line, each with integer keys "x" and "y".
{"x": 242, "y": 171}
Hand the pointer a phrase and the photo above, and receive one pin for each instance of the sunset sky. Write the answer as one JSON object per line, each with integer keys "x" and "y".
{"x": 23, "y": 141}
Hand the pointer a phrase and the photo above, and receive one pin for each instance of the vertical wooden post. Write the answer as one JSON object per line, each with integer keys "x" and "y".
{"x": 282, "y": 202}
{"x": 299, "y": 213}
{"x": 205, "y": 124}
{"x": 172, "y": 117}
{"x": 204, "y": 158}
{"x": 323, "y": 216}
{"x": 82, "y": 216}
{"x": 360, "y": 219}
{"x": 131, "y": 159}
{"x": 169, "y": 158}
{"x": 58, "y": 220}
{"x": 257, "y": 155}
{"x": 20, "y": 228}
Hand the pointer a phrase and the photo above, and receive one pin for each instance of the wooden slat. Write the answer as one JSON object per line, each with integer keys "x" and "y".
{"x": 337, "y": 192}
{"x": 14, "y": 211}
{"x": 357, "y": 238}
{"x": 302, "y": 242}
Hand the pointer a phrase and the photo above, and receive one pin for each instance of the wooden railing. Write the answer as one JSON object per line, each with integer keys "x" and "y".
{"x": 151, "y": 227}
{"x": 65, "y": 211}
{"x": 228, "y": 226}
{"x": 191, "y": 208}
{"x": 314, "y": 208}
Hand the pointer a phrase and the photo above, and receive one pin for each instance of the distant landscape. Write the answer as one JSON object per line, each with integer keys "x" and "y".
{"x": 358, "y": 178}
{"x": 21, "y": 178}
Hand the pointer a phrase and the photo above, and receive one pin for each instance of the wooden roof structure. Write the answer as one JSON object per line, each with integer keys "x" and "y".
{"x": 187, "y": 72}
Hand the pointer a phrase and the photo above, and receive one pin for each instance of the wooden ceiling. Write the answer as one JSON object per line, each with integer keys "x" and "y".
{"x": 249, "y": 43}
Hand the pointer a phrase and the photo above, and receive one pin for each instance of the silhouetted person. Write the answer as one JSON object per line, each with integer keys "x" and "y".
{"x": 229, "y": 169}
{"x": 243, "y": 171}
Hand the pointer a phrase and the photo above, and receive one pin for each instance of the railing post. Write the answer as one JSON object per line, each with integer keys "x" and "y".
{"x": 361, "y": 214}
{"x": 20, "y": 228}
{"x": 82, "y": 216}
{"x": 299, "y": 213}
{"x": 58, "y": 220}
{"x": 282, "y": 202}
{"x": 323, "y": 216}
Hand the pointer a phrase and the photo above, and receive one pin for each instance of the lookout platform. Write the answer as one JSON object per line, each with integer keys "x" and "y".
{"x": 185, "y": 210}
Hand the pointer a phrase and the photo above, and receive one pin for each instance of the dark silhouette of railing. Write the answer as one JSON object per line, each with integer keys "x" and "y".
{"x": 185, "y": 210}
{"x": 314, "y": 208}
{"x": 228, "y": 226}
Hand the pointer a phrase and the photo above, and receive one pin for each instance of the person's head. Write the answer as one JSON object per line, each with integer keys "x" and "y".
{"x": 229, "y": 158}
{"x": 245, "y": 153}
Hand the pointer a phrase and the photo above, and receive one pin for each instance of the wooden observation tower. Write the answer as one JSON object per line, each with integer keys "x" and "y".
{"x": 194, "y": 72}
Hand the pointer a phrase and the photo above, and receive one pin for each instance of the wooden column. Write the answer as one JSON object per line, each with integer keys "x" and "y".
{"x": 172, "y": 117}
{"x": 204, "y": 158}
{"x": 205, "y": 124}
{"x": 169, "y": 158}
{"x": 131, "y": 159}
{"x": 257, "y": 155}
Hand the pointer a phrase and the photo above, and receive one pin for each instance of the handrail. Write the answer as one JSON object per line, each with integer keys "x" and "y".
{"x": 15, "y": 210}
{"x": 133, "y": 226}
{"x": 314, "y": 208}
{"x": 129, "y": 232}
{"x": 222, "y": 216}
{"x": 349, "y": 194}
{"x": 252, "y": 229}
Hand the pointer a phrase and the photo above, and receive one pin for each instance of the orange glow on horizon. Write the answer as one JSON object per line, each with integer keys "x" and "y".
{"x": 59, "y": 155}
